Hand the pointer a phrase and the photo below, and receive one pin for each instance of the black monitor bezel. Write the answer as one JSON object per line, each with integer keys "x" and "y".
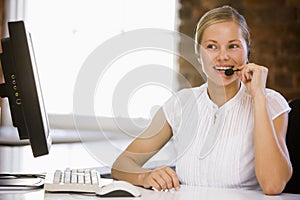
{"x": 22, "y": 87}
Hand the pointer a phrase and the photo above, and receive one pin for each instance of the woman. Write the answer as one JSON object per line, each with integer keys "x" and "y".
{"x": 229, "y": 132}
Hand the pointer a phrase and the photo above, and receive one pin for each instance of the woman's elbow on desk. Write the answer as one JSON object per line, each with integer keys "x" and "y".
{"x": 114, "y": 173}
{"x": 273, "y": 187}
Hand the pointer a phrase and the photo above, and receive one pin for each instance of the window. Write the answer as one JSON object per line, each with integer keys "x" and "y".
{"x": 66, "y": 32}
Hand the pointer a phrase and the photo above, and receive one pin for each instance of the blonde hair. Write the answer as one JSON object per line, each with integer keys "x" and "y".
{"x": 221, "y": 14}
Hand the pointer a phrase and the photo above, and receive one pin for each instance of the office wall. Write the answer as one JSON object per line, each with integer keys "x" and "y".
{"x": 2, "y": 6}
{"x": 2, "y": 21}
{"x": 275, "y": 31}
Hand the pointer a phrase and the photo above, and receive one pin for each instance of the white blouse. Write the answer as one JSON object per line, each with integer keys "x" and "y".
{"x": 215, "y": 146}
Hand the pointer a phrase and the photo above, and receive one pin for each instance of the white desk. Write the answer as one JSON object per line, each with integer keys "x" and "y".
{"x": 19, "y": 159}
{"x": 185, "y": 193}
{"x": 96, "y": 150}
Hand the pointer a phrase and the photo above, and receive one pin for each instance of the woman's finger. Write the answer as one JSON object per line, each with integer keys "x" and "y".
{"x": 160, "y": 181}
{"x": 165, "y": 178}
{"x": 174, "y": 178}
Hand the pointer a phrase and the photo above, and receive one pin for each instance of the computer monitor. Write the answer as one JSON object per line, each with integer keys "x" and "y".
{"x": 22, "y": 87}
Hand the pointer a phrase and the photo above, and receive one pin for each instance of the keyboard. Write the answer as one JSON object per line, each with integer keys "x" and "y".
{"x": 79, "y": 180}
{"x": 87, "y": 181}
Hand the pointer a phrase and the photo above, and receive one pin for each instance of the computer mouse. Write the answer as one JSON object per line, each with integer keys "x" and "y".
{"x": 118, "y": 189}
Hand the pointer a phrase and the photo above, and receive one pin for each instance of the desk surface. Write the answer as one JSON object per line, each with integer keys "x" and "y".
{"x": 186, "y": 192}
{"x": 19, "y": 159}
{"x": 90, "y": 149}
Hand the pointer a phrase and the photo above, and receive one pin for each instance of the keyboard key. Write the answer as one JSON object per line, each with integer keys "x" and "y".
{"x": 57, "y": 176}
{"x": 74, "y": 176}
{"x": 87, "y": 177}
{"x": 81, "y": 178}
{"x": 94, "y": 177}
{"x": 67, "y": 176}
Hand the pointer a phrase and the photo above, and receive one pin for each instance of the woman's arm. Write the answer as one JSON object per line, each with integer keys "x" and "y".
{"x": 128, "y": 165}
{"x": 272, "y": 163}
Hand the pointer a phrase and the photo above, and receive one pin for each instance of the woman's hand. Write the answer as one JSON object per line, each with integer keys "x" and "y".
{"x": 254, "y": 77}
{"x": 161, "y": 178}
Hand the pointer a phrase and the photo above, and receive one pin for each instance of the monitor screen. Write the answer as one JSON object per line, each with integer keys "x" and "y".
{"x": 23, "y": 90}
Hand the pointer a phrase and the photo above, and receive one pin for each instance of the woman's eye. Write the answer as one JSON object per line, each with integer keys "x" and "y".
{"x": 211, "y": 46}
{"x": 233, "y": 46}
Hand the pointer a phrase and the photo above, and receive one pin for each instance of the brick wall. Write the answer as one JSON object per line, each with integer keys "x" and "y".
{"x": 275, "y": 34}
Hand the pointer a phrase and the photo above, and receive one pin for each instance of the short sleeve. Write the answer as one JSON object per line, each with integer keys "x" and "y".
{"x": 173, "y": 107}
{"x": 168, "y": 108}
{"x": 277, "y": 104}
{"x": 172, "y": 110}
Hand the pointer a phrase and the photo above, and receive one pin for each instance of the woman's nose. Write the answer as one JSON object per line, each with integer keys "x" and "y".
{"x": 223, "y": 55}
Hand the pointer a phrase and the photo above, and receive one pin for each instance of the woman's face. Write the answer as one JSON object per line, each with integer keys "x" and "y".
{"x": 222, "y": 47}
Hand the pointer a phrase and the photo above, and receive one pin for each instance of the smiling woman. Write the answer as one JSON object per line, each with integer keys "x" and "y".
{"x": 229, "y": 132}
